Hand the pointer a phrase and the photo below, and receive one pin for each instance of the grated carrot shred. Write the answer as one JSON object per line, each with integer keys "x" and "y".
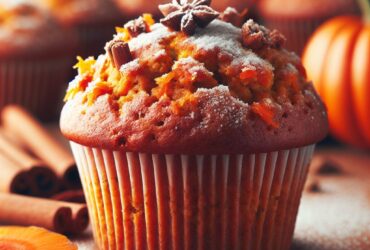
{"x": 266, "y": 113}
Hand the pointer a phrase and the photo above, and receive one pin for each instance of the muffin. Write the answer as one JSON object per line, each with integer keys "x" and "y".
{"x": 192, "y": 133}
{"x": 34, "y": 58}
{"x": 221, "y": 5}
{"x": 136, "y": 8}
{"x": 298, "y": 19}
{"x": 94, "y": 20}
{"x": 139, "y": 6}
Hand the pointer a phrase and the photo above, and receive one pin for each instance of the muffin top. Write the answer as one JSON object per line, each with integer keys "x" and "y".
{"x": 26, "y": 29}
{"x": 193, "y": 84}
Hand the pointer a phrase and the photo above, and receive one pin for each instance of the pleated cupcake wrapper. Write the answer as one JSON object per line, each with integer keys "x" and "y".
{"x": 154, "y": 201}
{"x": 35, "y": 84}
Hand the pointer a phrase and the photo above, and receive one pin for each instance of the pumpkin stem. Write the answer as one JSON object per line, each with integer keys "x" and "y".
{"x": 365, "y": 8}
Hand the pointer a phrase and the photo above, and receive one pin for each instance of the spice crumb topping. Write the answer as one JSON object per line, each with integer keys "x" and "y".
{"x": 148, "y": 57}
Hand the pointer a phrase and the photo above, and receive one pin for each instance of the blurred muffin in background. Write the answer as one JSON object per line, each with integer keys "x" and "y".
{"x": 137, "y": 7}
{"x": 35, "y": 54}
{"x": 94, "y": 20}
{"x": 297, "y": 19}
{"x": 221, "y": 5}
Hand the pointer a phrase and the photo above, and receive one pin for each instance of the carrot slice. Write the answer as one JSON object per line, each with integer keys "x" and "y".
{"x": 32, "y": 238}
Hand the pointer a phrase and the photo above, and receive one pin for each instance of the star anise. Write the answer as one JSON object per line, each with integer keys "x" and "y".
{"x": 186, "y": 15}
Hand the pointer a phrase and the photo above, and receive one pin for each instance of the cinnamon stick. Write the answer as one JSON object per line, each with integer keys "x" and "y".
{"x": 75, "y": 196}
{"x": 42, "y": 144}
{"x": 43, "y": 179}
{"x": 61, "y": 217}
{"x": 9, "y": 136}
{"x": 119, "y": 53}
{"x": 14, "y": 179}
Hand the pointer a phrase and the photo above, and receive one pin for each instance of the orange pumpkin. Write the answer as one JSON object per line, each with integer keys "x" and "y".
{"x": 337, "y": 59}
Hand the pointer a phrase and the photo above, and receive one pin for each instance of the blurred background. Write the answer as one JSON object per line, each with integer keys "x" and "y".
{"x": 40, "y": 39}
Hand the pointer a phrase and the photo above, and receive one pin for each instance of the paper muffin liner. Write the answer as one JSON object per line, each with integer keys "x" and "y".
{"x": 35, "y": 84}
{"x": 157, "y": 201}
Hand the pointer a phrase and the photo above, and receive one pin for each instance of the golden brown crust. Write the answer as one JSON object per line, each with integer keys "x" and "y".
{"x": 27, "y": 30}
{"x": 220, "y": 124}
{"x": 200, "y": 94}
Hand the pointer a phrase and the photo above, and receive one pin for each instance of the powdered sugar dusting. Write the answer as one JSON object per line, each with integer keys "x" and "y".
{"x": 218, "y": 34}
{"x": 226, "y": 38}
{"x": 153, "y": 38}
{"x": 195, "y": 67}
{"x": 221, "y": 91}
{"x": 134, "y": 64}
{"x": 227, "y": 107}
